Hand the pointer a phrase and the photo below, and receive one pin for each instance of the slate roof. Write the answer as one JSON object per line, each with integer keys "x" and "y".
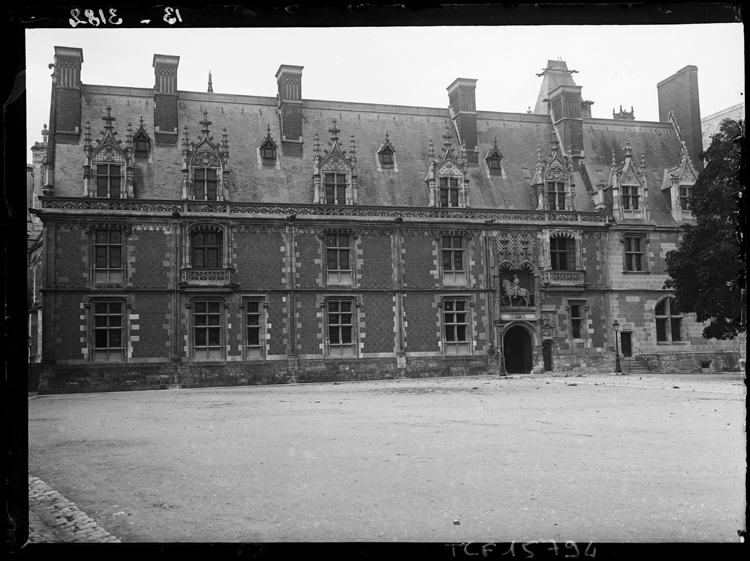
{"x": 410, "y": 129}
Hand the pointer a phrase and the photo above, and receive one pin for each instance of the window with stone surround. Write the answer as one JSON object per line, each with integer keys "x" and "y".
{"x": 335, "y": 186}
{"x": 208, "y": 329}
{"x": 562, "y": 253}
{"x": 339, "y": 270}
{"x": 668, "y": 321}
{"x": 108, "y": 256}
{"x": 634, "y": 253}
{"x": 686, "y": 191}
{"x": 108, "y": 179}
{"x": 340, "y": 327}
{"x": 454, "y": 260}
{"x": 448, "y": 188}
{"x": 577, "y": 315}
{"x": 556, "y": 195}
{"x": 456, "y": 321}
{"x": 206, "y": 247}
{"x": 108, "y": 330}
{"x": 630, "y": 197}
{"x": 255, "y": 322}
{"x": 205, "y": 184}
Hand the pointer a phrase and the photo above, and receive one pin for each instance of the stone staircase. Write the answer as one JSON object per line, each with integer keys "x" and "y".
{"x": 634, "y": 366}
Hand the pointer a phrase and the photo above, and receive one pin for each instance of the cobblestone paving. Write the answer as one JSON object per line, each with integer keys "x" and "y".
{"x": 53, "y": 518}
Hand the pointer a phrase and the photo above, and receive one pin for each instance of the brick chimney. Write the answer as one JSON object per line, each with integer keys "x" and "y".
{"x": 166, "y": 125}
{"x": 463, "y": 106}
{"x": 289, "y": 80}
{"x": 68, "y": 61}
{"x": 679, "y": 94}
{"x": 566, "y": 107}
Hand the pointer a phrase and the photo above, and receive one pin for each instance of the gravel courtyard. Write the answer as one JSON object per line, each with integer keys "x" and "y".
{"x": 480, "y": 459}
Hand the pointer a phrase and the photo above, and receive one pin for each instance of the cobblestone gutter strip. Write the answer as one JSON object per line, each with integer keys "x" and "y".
{"x": 53, "y": 518}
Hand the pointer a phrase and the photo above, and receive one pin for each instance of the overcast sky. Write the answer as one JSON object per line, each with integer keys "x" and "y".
{"x": 617, "y": 65}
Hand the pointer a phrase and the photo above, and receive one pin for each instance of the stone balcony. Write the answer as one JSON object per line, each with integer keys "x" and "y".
{"x": 564, "y": 278}
{"x": 208, "y": 277}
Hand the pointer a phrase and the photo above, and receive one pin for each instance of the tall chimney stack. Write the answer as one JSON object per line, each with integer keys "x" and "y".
{"x": 289, "y": 80}
{"x": 463, "y": 105}
{"x": 679, "y": 94}
{"x": 166, "y": 125}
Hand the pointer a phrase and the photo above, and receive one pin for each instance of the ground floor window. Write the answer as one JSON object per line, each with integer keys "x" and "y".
{"x": 668, "y": 321}
{"x": 254, "y": 329}
{"x": 577, "y": 320}
{"x": 208, "y": 329}
{"x": 456, "y": 326}
{"x": 340, "y": 328}
{"x": 109, "y": 339}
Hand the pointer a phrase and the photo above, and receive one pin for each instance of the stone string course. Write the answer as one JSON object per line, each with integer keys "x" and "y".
{"x": 54, "y": 519}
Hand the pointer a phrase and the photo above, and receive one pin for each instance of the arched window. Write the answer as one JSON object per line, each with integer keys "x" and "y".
{"x": 668, "y": 321}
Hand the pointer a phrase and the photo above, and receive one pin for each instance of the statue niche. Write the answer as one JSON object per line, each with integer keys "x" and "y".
{"x": 516, "y": 287}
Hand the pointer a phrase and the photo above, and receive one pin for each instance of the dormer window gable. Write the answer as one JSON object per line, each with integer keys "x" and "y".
{"x": 447, "y": 179}
{"x": 494, "y": 159}
{"x": 334, "y": 171}
{"x": 108, "y": 168}
{"x": 386, "y": 155}
{"x": 268, "y": 149}
{"x": 205, "y": 170}
{"x": 677, "y": 186}
{"x": 629, "y": 187}
{"x": 141, "y": 142}
{"x": 553, "y": 179}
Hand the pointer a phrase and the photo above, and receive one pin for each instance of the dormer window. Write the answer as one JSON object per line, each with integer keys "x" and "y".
{"x": 141, "y": 144}
{"x": 630, "y": 197}
{"x": 268, "y": 149}
{"x": 268, "y": 153}
{"x": 448, "y": 191}
{"x": 205, "y": 184}
{"x": 334, "y": 172}
{"x": 386, "y": 157}
{"x": 556, "y": 195}
{"x": 494, "y": 160}
{"x": 335, "y": 188}
{"x": 108, "y": 169}
{"x": 686, "y": 191}
{"x": 108, "y": 179}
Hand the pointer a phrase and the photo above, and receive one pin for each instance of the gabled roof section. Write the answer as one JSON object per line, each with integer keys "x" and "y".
{"x": 205, "y": 152}
{"x": 107, "y": 147}
{"x": 334, "y": 159}
{"x": 684, "y": 171}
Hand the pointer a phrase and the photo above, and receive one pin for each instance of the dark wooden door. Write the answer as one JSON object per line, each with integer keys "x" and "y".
{"x": 627, "y": 343}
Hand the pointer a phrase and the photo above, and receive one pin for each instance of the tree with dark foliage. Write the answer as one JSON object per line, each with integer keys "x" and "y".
{"x": 708, "y": 270}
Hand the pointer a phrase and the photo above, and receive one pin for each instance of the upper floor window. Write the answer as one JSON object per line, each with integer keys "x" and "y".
{"x": 254, "y": 329}
{"x": 630, "y": 197}
{"x": 338, "y": 259}
{"x": 635, "y": 258}
{"x": 340, "y": 328}
{"x": 454, "y": 266}
{"x": 108, "y": 178}
{"x": 268, "y": 152}
{"x": 208, "y": 329}
{"x": 335, "y": 188}
{"x": 668, "y": 321}
{"x": 108, "y": 331}
{"x": 686, "y": 192}
{"x": 449, "y": 188}
{"x": 556, "y": 195}
{"x": 562, "y": 256}
{"x": 205, "y": 184}
{"x": 108, "y": 256}
{"x": 456, "y": 326}
{"x": 207, "y": 249}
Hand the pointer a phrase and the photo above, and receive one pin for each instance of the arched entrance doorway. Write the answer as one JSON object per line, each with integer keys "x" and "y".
{"x": 517, "y": 350}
